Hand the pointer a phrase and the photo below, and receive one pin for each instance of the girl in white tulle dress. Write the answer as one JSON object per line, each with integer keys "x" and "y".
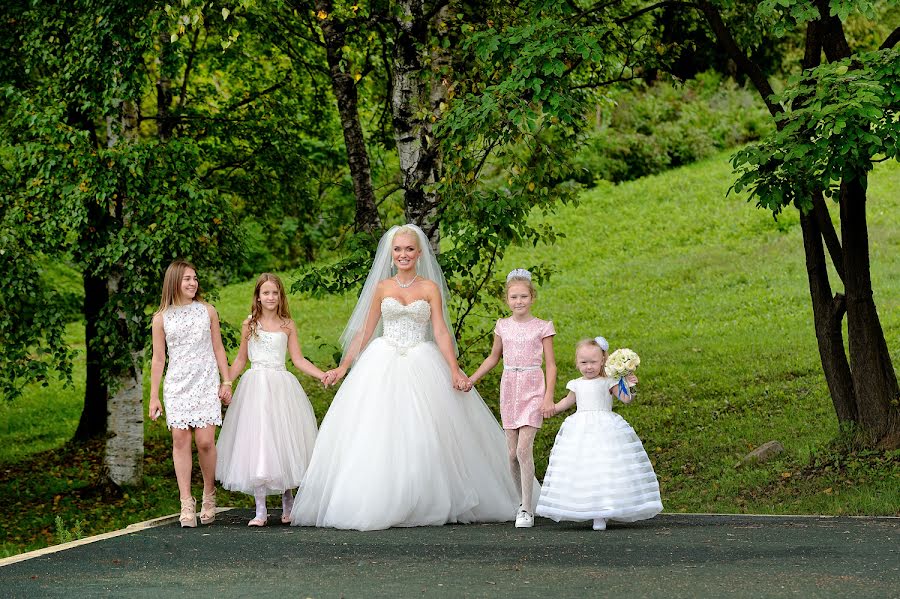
{"x": 402, "y": 444}
{"x": 270, "y": 428}
{"x": 598, "y": 467}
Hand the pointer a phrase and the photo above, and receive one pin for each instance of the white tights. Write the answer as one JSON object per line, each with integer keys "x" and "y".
{"x": 287, "y": 503}
{"x": 520, "y": 444}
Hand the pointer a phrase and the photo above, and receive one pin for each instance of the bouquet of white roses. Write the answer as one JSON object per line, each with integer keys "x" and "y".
{"x": 620, "y": 364}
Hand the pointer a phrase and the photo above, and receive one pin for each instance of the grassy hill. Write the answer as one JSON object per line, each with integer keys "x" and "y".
{"x": 709, "y": 290}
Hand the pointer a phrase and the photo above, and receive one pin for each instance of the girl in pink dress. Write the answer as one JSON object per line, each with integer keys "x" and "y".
{"x": 526, "y": 396}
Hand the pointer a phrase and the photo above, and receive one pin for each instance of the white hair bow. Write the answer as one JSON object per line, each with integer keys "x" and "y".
{"x": 602, "y": 342}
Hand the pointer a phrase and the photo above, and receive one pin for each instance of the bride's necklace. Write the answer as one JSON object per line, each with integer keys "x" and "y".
{"x": 405, "y": 285}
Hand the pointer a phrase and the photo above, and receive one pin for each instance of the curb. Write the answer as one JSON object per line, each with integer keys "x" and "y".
{"x": 131, "y": 528}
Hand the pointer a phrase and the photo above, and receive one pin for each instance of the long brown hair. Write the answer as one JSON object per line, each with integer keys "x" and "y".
{"x": 171, "y": 288}
{"x": 283, "y": 311}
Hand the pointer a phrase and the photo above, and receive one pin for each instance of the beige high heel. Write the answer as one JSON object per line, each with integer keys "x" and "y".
{"x": 208, "y": 507}
{"x": 188, "y": 516}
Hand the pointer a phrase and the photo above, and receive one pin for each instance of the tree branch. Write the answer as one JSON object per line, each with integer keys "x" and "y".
{"x": 826, "y": 228}
{"x": 728, "y": 43}
{"x": 891, "y": 40}
{"x": 187, "y": 69}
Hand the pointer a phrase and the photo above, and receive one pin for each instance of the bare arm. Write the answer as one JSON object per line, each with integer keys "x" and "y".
{"x": 548, "y": 408}
{"x": 240, "y": 361}
{"x": 360, "y": 340}
{"x": 215, "y": 332}
{"x": 157, "y": 365}
{"x": 444, "y": 341}
{"x": 564, "y": 404}
{"x": 492, "y": 360}
{"x": 302, "y": 364}
{"x": 631, "y": 380}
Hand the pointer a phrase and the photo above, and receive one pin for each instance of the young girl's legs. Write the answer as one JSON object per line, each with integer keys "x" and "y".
{"x": 525, "y": 457}
{"x": 287, "y": 504}
{"x": 183, "y": 460}
{"x": 512, "y": 447}
{"x": 262, "y": 514}
{"x": 520, "y": 443}
{"x": 205, "y": 438}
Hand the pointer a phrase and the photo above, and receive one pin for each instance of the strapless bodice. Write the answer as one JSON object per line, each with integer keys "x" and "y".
{"x": 267, "y": 349}
{"x": 405, "y": 325}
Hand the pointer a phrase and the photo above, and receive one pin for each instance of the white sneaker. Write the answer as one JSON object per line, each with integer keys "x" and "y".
{"x": 524, "y": 520}
{"x": 599, "y": 523}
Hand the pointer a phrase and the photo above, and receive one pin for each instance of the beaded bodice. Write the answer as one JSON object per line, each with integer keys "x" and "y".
{"x": 267, "y": 349}
{"x": 405, "y": 326}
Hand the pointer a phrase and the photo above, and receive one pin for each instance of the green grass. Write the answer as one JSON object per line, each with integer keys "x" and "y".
{"x": 709, "y": 290}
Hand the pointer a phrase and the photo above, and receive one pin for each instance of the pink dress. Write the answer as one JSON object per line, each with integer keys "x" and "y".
{"x": 522, "y": 386}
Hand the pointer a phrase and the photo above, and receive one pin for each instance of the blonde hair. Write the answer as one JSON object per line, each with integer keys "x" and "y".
{"x": 514, "y": 280}
{"x": 171, "y": 288}
{"x": 282, "y": 311}
{"x": 591, "y": 343}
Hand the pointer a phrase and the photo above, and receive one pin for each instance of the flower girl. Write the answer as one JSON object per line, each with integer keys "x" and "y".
{"x": 526, "y": 394}
{"x": 598, "y": 467}
{"x": 268, "y": 434}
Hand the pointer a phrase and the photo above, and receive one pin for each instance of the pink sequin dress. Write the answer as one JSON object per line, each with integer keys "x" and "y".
{"x": 522, "y": 386}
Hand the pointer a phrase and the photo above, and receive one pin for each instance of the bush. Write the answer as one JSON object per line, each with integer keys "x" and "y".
{"x": 664, "y": 125}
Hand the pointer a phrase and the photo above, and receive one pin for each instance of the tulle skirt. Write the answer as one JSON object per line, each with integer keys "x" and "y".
{"x": 268, "y": 434}
{"x": 400, "y": 447}
{"x": 598, "y": 469}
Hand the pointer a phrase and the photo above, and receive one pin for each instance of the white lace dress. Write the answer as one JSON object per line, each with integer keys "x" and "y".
{"x": 400, "y": 447}
{"x": 598, "y": 467}
{"x": 191, "y": 385}
{"x": 270, "y": 428}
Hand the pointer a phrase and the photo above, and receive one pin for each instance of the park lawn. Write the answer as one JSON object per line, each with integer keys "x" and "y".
{"x": 709, "y": 290}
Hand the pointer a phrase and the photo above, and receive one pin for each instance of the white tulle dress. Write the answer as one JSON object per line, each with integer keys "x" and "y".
{"x": 269, "y": 431}
{"x": 598, "y": 467}
{"x": 400, "y": 447}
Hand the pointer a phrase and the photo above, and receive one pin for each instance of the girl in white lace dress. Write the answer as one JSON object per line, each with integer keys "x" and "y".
{"x": 270, "y": 428}
{"x": 402, "y": 444}
{"x": 598, "y": 467}
{"x": 188, "y": 329}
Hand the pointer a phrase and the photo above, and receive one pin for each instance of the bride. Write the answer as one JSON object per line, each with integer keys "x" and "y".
{"x": 402, "y": 444}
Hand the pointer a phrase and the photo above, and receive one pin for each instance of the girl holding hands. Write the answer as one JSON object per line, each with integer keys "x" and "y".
{"x": 269, "y": 431}
{"x": 598, "y": 467}
{"x": 526, "y": 393}
{"x": 187, "y": 328}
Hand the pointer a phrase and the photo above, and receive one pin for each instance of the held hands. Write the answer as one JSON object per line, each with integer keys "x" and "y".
{"x": 334, "y": 375}
{"x": 631, "y": 380}
{"x": 548, "y": 408}
{"x": 462, "y": 382}
{"x": 225, "y": 393}
{"x": 155, "y": 409}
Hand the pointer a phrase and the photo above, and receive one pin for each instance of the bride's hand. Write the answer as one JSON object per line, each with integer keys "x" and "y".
{"x": 462, "y": 382}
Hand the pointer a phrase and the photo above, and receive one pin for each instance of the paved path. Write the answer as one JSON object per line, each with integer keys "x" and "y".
{"x": 669, "y": 556}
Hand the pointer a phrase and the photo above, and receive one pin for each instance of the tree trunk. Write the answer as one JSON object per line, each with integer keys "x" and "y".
{"x": 828, "y": 314}
{"x": 419, "y": 155}
{"x": 124, "y": 457}
{"x": 874, "y": 380}
{"x": 93, "y": 415}
{"x": 343, "y": 85}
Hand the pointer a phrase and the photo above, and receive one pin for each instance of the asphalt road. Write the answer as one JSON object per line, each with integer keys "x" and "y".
{"x": 669, "y": 556}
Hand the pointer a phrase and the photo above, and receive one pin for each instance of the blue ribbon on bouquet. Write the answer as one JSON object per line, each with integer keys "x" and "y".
{"x": 623, "y": 388}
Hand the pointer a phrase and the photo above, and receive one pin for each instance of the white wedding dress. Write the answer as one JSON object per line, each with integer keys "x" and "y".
{"x": 400, "y": 447}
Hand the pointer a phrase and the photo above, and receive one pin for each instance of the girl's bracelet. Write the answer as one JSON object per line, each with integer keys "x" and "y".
{"x": 226, "y": 383}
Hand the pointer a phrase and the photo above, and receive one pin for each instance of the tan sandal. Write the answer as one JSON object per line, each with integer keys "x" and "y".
{"x": 208, "y": 507}
{"x": 188, "y": 516}
{"x": 258, "y": 522}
